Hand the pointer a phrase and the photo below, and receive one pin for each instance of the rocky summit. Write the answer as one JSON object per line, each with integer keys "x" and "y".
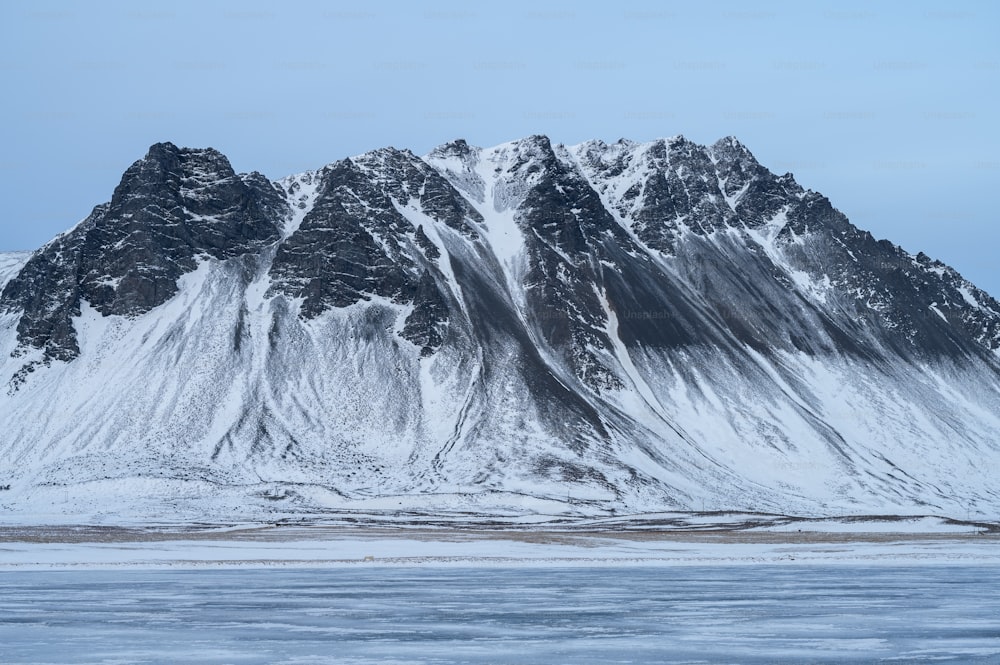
{"x": 527, "y": 329}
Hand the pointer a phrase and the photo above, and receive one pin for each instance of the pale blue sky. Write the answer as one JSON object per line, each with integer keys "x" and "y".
{"x": 890, "y": 108}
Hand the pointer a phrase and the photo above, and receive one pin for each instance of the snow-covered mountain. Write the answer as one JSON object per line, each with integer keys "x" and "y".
{"x": 589, "y": 329}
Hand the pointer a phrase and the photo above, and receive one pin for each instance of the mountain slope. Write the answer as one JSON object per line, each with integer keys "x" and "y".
{"x": 586, "y": 329}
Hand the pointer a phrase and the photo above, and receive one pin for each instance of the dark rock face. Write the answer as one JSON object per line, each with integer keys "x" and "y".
{"x": 355, "y": 242}
{"x": 171, "y": 207}
{"x": 429, "y": 249}
{"x": 911, "y": 304}
{"x": 679, "y": 189}
{"x": 426, "y": 326}
{"x": 700, "y": 208}
{"x": 333, "y": 259}
{"x": 47, "y": 292}
{"x": 565, "y": 226}
{"x": 758, "y": 194}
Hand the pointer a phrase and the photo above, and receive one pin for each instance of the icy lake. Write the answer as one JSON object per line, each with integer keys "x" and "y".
{"x": 653, "y": 614}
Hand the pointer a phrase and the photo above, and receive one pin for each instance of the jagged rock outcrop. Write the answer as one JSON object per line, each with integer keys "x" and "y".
{"x": 171, "y": 207}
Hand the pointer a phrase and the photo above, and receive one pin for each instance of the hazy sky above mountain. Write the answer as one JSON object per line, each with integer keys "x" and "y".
{"x": 890, "y": 109}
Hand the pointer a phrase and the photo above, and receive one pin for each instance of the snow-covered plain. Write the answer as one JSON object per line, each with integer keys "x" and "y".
{"x": 676, "y": 614}
{"x": 827, "y": 542}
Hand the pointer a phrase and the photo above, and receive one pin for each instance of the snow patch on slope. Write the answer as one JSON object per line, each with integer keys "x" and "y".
{"x": 301, "y": 191}
{"x": 11, "y": 264}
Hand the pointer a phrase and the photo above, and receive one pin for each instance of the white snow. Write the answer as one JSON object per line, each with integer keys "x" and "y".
{"x": 913, "y": 525}
{"x": 967, "y": 296}
{"x": 302, "y": 190}
{"x": 337, "y": 547}
{"x": 733, "y": 200}
{"x": 10, "y": 264}
{"x": 934, "y": 308}
{"x": 502, "y": 233}
{"x": 434, "y": 232}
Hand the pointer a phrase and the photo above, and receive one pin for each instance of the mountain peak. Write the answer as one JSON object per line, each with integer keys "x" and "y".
{"x": 730, "y": 143}
{"x": 169, "y": 154}
{"x": 537, "y": 139}
{"x": 160, "y": 149}
{"x": 729, "y": 150}
{"x": 459, "y": 148}
{"x": 177, "y": 169}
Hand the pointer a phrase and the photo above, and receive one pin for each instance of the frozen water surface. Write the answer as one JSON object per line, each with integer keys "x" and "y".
{"x": 718, "y": 614}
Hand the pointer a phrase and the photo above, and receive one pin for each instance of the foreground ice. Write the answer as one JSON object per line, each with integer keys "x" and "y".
{"x": 655, "y": 614}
